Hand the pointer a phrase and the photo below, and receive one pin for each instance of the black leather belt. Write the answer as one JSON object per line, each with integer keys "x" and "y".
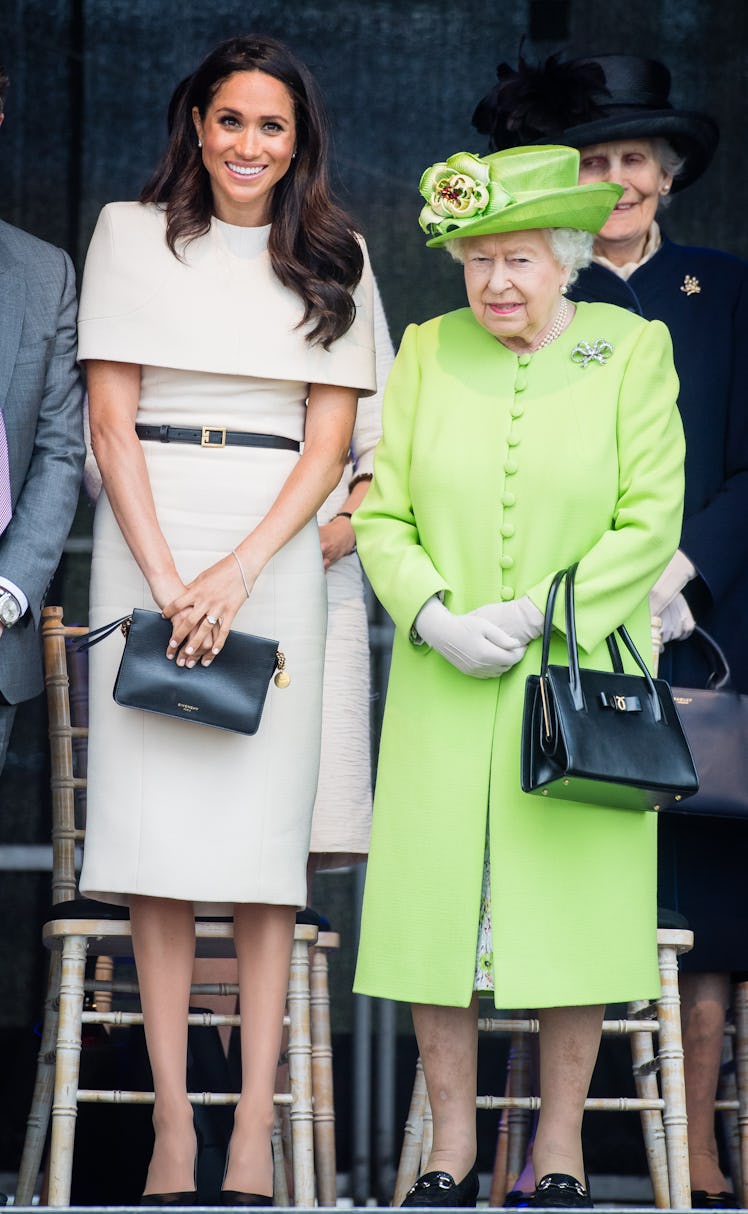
{"x": 214, "y": 436}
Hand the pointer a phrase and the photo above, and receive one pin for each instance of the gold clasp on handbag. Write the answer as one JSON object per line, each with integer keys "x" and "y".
{"x": 282, "y": 678}
{"x": 544, "y": 706}
{"x": 620, "y": 703}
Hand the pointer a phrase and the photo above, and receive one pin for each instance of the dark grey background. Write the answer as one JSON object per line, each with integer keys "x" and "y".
{"x": 85, "y": 123}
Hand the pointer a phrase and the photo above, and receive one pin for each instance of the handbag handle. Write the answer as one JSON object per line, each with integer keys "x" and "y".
{"x": 572, "y": 649}
{"x": 100, "y": 634}
{"x": 720, "y": 678}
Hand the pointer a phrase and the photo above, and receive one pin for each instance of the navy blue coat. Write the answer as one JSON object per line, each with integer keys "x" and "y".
{"x": 709, "y": 328}
{"x": 701, "y": 860}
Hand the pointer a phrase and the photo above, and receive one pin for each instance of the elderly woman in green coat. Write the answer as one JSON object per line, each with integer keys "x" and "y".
{"x": 521, "y": 434}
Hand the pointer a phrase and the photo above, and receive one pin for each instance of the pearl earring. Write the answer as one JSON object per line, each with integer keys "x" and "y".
{"x": 564, "y": 289}
{"x": 199, "y": 143}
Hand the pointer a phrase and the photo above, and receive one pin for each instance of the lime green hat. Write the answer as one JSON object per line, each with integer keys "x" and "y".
{"x": 511, "y": 191}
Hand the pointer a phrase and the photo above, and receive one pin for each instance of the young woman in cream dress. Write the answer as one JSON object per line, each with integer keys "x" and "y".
{"x": 235, "y": 296}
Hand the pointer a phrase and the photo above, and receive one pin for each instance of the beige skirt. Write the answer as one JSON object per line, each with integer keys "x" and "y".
{"x": 181, "y": 810}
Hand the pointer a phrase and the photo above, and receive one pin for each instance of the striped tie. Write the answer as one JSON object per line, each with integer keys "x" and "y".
{"x": 6, "y": 508}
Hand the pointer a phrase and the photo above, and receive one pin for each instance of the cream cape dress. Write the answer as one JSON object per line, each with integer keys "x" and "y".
{"x": 176, "y": 809}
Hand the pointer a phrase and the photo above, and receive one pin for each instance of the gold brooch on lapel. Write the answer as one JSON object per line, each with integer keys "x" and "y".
{"x": 691, "y": 285}
{"x": 586, "y": 352}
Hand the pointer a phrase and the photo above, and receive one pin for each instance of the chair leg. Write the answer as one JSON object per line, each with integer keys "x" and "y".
{"x": 280, "y": 1182}
{"x": 673, "y": 1083}
{"x": 67, "y": 1067}
{"x": 428, "y": 1133}
{"x": 740, "y": 1011}
{"x": 410, "y": 1155}
{"x": 514, "y": 1124}
{"x": 653, "y": 1130}
{"x": 518, "y": 1120}
{"x": 499, "y": 1183}
{"x": 300, "y": 1075}
{"x": 728, "y": 1090}
{"x": 41, "y": 1103}
{"x": 322, "y": 1081}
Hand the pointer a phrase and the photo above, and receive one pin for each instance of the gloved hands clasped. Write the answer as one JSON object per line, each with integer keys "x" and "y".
{"x": 667, "y": 603}
{"x": 479, "y": 643}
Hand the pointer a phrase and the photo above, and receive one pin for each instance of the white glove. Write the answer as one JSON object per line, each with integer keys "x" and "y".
{"x": 671, "y": 581}
{"x": 520, "y": 619}
{"x": 677, "y": 620}
{"x": 474, "y": 645}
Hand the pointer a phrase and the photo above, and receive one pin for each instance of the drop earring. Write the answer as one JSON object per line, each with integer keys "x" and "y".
{"x": 199, "y": 143}
{"x": 564, "y": 289}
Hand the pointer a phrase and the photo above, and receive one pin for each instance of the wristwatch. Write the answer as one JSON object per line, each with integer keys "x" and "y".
{"x": 10, "y": 609}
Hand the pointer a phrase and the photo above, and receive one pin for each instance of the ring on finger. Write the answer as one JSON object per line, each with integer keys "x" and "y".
{"x": 213, "y": 620}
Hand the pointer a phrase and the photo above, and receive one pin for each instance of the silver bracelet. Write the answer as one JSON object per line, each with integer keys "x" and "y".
{"x": 241, "y": 570}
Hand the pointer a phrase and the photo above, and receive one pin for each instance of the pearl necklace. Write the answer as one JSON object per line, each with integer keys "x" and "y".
{"x": 556, "y": 327}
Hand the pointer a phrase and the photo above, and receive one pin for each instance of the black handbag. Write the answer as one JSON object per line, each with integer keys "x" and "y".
{"x": 715, "y": 719}
{"x": 228, "y": 694}
{"x": 603, "y": 737}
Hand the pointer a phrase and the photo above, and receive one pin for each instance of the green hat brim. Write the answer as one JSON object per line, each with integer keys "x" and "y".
{"x": 585, "y": 207}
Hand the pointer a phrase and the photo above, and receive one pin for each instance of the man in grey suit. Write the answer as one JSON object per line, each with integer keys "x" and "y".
{"x": 41, "y": 446}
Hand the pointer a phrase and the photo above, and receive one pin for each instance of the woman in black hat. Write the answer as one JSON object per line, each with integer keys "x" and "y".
{"x": 616, "y": 110}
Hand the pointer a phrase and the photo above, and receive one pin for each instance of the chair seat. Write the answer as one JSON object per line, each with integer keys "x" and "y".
{"x": 92, "y": 908}
{"x": 112, "y": 937}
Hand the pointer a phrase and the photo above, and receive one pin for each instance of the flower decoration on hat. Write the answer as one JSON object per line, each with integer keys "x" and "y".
{"x": 457, "y": 189}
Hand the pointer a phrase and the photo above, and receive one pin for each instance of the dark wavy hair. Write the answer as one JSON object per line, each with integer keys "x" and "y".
{"x": 4, "y": 83}
{"x": 313, "y": 247}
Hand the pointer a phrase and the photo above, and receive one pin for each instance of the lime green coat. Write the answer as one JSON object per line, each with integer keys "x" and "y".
{"x": 494, "y": 471}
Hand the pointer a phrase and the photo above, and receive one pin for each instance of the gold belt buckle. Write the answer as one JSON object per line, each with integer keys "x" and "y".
{"x": 206, "y": 440}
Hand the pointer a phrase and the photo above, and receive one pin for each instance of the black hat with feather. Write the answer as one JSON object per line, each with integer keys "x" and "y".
{"x": 594, "y": 100}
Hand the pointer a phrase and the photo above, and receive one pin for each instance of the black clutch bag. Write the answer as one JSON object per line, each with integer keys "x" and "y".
{"x": 715, "y": 719}
{"x": 603, "y": 737}
{"x": 228, "y": 694}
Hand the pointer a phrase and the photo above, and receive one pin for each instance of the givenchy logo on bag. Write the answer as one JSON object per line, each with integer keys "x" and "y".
{"x": 188, "y": 707}
{"x": 620, "y": 703}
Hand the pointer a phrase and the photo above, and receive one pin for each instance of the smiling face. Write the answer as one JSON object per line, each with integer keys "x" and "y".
{"x": 513, "y": 284}
{"x": 248, "y": 136}
{"x": 632, "y": 164}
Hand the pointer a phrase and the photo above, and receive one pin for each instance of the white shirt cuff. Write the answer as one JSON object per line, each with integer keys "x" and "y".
{"x": 6, "y": 584}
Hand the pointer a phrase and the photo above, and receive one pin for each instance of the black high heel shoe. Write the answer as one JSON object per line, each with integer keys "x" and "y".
{"x": 187, "y": 1197}
{"x": 234, "y": 1197}
{"x": 441, "y": 1189}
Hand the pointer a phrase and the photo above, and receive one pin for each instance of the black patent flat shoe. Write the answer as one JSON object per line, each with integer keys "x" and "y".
{"x": 701, "y": 1200}
{"x": 557, "y": 1191}
{"x": 188, "y": 1198}
{"x": 441, "y": 1189}
{"x": 234, "y": 1197}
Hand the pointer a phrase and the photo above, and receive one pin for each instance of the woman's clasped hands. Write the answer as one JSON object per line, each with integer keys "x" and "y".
{"x": 484, "y": 643}
{"x": 203, "y": 610}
